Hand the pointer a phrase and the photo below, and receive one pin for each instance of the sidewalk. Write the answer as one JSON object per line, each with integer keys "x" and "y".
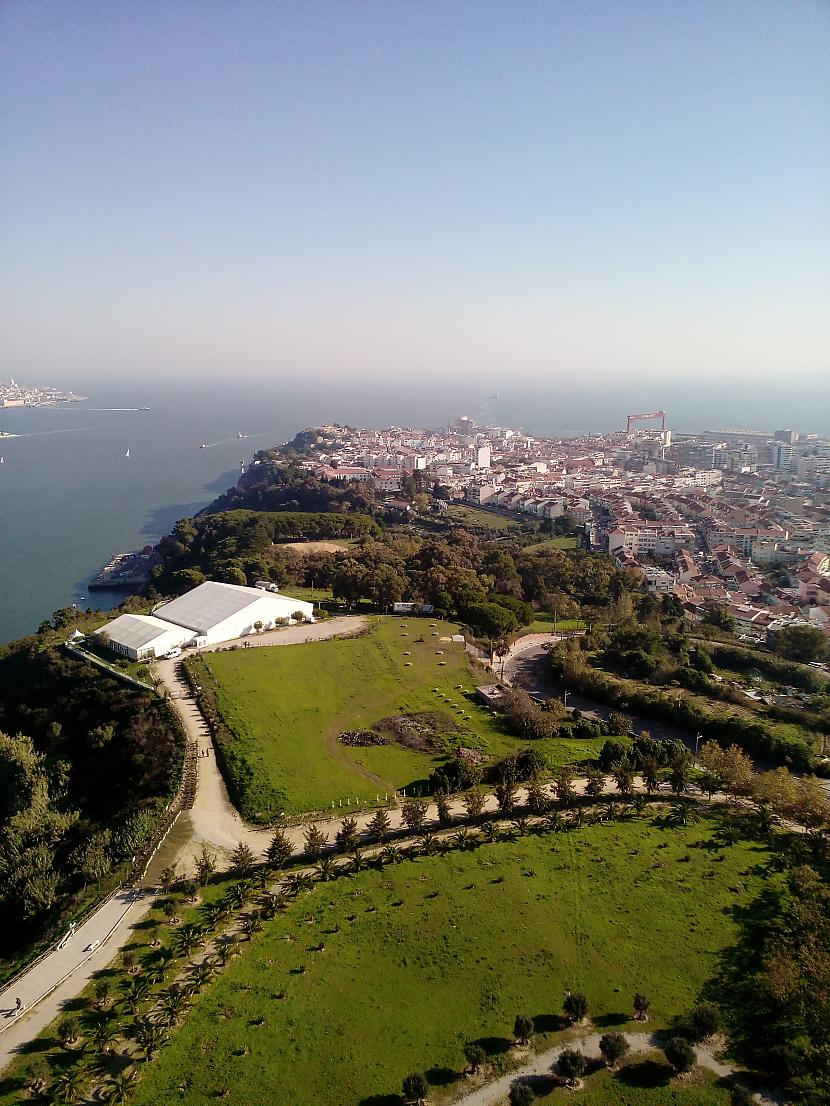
{"x": 64, "y": 971}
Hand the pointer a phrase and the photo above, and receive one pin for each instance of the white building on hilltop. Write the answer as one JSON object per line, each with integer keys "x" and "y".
{"x": 207, "y": 615}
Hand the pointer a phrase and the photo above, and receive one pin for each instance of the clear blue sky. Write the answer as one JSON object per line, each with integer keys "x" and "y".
{"x": 532, "y": 189}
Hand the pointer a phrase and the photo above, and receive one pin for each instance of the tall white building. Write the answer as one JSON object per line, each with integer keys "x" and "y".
{"x": 483, "y": 457}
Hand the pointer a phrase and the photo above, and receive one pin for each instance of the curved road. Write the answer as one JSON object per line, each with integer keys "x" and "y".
{"x": 64, "y": 970}
{"x": 527, "y": 667}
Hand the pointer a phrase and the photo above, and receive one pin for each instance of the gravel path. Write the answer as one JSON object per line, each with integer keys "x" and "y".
{"x": 495, "y": 1093}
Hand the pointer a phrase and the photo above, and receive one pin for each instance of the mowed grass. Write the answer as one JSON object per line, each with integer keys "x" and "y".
{"x": 641, "y": 1080}
{"x": 421, "y": 957}
{"x": 561, "y": 541}
{"x": 473, "y": 516}
{"x": 288, "y": 706}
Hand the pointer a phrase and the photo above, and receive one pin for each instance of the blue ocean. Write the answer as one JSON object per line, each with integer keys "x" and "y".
{"x": 70, "y": 496}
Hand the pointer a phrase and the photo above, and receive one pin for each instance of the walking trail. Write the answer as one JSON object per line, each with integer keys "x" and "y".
{"x": 543, "y": 1064}
{"x": 62, "y": 972}
{"x": 65, "y": 970}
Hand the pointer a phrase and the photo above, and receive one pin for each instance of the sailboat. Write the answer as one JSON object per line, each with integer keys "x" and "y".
{"x": 127, "y": 454}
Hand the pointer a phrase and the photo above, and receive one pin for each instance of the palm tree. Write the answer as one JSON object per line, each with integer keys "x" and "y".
{"x": 150, "y": 1037}
{"x": 683, "y": 813}
{"x": 639, "y": 803}
{"x": 187, "y": 939}
{"x": 158, "y": 963}
{"x": 251, "y": 923}
{"x": 391, "y": 854}
{"x": 213, "y": 913}
{"x": 358, "y": 862}
{"x": 201, "y": 973}
{"x": 119, "y": 1087}
{"x": 138, "y": 991}
{"x": 67, "y": 1085}
{"x": 491, "y": 833}
{"x": 429, "y": 843}
{"x": 522, "y": 825}
{"x": 553, "y": 822}
{"x": 326, "y": 869}
{"x": 227, "y": 946}
{"x": 297, "y": 884}
{"x": 171, "y": 1004}
{"x": 104, "y": 1033}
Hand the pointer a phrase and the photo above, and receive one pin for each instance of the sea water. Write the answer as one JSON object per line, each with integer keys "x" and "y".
{"x": 70, "y": 497}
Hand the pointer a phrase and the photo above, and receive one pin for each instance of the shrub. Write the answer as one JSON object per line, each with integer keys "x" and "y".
{"x": 613, "y": 1047}
{"x": 575, "y": 1006}
{"x": 680, "y": 1054}
{"x": 705, "y": 1020}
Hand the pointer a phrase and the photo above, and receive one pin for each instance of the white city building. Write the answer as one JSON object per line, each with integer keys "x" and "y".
{"x": 209, "y": 614}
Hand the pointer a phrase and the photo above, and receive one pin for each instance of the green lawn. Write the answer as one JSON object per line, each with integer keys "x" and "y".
{"x": 543, "y": 624}
{"x": 644, "y": 1079}
{"x": 288, "y": 706}
{"x": 560, "y": 542}
{"x": 473, "y": 516}
{"x": 421, "y": 957}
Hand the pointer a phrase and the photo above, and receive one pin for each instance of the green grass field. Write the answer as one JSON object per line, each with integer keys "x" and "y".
{"x": 288, "y": 707}
{"x": 642, "y": 1080}
{"x": 421, "y": 957}
{"x": 473, "y": 516}
{"x": 560, "y": 542}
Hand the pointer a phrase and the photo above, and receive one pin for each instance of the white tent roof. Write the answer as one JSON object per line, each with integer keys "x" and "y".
{"x": 134, "y": 631}
{"x": 208, "y": 605}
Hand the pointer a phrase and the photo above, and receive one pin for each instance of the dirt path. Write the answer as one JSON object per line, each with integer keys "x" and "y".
{"x": 213, "y": 819}
{"x": 495, "y": 1093}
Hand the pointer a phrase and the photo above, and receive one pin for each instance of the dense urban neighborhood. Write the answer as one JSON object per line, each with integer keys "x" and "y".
{"x": 737, "y": 520}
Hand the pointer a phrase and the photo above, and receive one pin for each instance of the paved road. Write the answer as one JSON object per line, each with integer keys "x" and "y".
{"x": 66, "y": 970}
{"x": 529, "y": 669}
{"x": 492, "y": 1094}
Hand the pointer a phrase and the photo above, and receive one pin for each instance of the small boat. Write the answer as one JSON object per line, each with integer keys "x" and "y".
{"x": 240, "y": 435}
{"x": 2, "y": 460}
{"x": 203, "y": 445}
{"x": 127, "y": 454}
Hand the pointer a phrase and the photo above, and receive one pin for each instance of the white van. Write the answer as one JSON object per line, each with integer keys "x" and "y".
{"x": 171, "y": 656}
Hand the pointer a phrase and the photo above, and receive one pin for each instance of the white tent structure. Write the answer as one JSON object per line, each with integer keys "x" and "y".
{"x": 140, "y": 636}
{"x": 207, "y": 615}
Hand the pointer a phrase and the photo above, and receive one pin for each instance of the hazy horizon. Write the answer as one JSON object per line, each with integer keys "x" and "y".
{"x": 514, "y": 194}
